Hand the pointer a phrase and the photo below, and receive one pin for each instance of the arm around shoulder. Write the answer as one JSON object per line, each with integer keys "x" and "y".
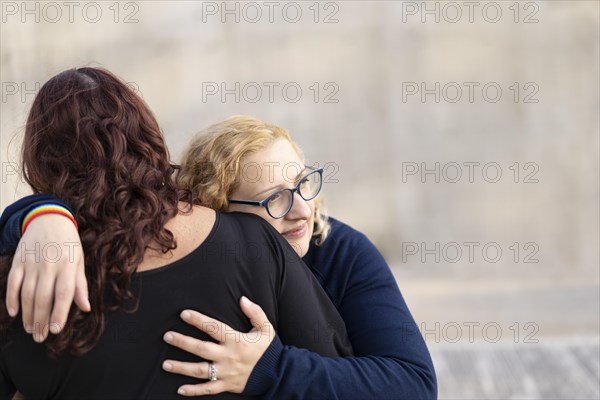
{"x": 391, "y": 359}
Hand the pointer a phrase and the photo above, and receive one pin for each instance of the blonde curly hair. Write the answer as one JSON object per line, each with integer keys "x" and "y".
{"x": 211, "y": 166}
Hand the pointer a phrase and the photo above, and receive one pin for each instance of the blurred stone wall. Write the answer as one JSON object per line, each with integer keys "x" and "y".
{"x": 389, "y": 91}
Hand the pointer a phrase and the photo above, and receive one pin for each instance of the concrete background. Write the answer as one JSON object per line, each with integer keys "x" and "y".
{"x": 371, "y": 113}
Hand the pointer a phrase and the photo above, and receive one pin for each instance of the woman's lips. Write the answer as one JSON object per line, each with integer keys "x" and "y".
{"x": 296, "y": 232}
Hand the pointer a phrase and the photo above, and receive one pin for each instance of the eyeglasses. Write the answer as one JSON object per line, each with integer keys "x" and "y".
{"x": 280, "y": 203}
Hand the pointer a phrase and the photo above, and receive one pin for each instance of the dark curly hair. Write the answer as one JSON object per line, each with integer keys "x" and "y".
{"x": 91, "y": 141}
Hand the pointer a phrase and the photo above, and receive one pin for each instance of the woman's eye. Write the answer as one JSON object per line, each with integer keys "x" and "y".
{"x": 275, "y": 197}
{"x": 305, "y": 183}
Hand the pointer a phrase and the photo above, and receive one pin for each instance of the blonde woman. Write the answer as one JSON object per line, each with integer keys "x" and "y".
{"x": 245, "y": 164}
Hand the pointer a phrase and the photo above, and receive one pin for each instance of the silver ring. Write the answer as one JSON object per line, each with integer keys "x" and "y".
{"x": 212, "y": 372}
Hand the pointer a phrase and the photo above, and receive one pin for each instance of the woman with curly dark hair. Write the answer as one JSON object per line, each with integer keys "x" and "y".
{"x": 149, "y": 253}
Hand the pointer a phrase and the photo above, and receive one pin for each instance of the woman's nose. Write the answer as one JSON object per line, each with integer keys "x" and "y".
{"x": 300, "y": 209}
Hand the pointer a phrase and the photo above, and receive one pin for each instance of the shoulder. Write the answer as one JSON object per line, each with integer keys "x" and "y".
{"x": 344, "y": 249}
{"x": 344, "y": 237}
{"x": 254, "y": 232}
{"x": 246, "y": 224}
{"x": 345, "y": 261}
{"x": 242, "y": 218}
{"x": 342, "y": 228}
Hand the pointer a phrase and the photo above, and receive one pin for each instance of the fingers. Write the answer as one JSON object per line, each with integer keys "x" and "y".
{"x": 13, "y": 286}
{"x": 215, "y": 329}
{"x": 27, "y": 300}
{"x": 192, "y": 369}
{"x": 195, "y": 370}
{"x": 211, "y": 387}
{"x": 41, "y": 311}
{"x": 255, "y": 314}
{"x": 234, "y": 353}
{"x": 63, "y": 295}
{"x": 206, "y": 350}
{"x": 81, "y": 290}
{"x": 36, "y": 278}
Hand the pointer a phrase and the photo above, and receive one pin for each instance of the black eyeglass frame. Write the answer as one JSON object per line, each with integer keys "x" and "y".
{"x": 264, "y": 203}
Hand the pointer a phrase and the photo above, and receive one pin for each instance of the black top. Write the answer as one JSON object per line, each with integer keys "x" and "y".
{"x": 242, "y": 255}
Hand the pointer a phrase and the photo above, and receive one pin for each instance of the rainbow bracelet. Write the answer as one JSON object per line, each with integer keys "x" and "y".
{"x": 46, "y": 209}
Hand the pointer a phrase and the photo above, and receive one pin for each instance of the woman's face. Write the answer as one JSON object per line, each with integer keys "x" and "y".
{"x": 273, "y": 168}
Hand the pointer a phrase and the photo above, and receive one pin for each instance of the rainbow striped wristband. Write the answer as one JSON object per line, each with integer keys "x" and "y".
{"x": 46, "y": 209}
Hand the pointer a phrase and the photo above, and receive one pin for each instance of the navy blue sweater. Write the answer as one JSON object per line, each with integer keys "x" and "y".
{"x": 10, "y": 221}
{"x": 391, "y": 359}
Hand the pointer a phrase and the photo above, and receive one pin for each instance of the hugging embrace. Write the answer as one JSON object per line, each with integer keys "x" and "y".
{"x": 192, "y": 279}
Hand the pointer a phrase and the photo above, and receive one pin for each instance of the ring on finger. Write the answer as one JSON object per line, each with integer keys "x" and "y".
{"x": 212, "y": 372}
